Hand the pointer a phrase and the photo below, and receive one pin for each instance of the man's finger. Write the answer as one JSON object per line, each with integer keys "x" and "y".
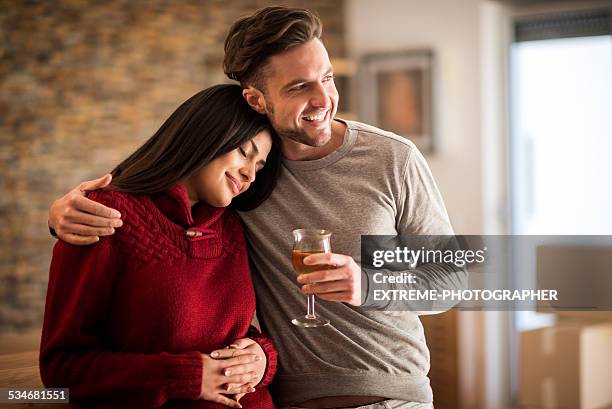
{"x": 342, "y": 296}
{"x": 79, "y": 217}
{"x": 323, "y": 275}
{"x": 228, "y": 353}
{"x": 83, "y": 230}
{"x": 90, "y": 206}
{"x": 96, "y": 183}
{"x": 77, "y": 240}
{"x": 326, "y": 287}
{"x": 327, "y": 258}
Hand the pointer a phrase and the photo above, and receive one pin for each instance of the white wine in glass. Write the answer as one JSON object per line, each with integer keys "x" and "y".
{"x": 305, "y": 243}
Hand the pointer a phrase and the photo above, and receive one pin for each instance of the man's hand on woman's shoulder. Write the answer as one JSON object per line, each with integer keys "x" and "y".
{"x": 81, "y": 221}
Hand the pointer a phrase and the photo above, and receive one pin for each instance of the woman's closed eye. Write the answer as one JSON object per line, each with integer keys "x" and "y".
{"x": 251, "y": 152}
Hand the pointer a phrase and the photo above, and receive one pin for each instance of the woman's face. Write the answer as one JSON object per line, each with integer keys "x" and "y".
{"x": 231, "y": 173}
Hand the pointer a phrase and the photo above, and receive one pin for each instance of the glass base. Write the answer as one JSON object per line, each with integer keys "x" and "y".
{"x": 310, "y": 322}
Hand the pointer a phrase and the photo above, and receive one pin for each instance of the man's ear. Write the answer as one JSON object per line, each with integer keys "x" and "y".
{"x": 255, "y": 99}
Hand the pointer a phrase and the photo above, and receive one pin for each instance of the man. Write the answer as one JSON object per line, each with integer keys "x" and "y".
{"x": 344, "y": 176}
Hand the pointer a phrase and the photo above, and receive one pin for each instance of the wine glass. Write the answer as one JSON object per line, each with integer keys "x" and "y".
{"x": 305, "y": 243}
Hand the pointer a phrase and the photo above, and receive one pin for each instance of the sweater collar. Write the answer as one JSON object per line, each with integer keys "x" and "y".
{"x": 174, "y": 204}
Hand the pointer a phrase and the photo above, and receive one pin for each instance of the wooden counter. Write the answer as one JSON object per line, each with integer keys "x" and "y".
{"x": 20, "y": 370}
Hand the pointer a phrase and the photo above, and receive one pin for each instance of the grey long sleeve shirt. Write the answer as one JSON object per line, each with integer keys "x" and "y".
{"x": 375, "y": 183}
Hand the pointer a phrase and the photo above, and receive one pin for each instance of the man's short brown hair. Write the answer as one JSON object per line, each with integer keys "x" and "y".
{"x": 271, "y": 30}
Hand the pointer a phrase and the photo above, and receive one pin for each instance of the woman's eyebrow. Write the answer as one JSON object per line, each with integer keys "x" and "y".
{"x": 256, "y": 149}
{"x": 254, "y": 146}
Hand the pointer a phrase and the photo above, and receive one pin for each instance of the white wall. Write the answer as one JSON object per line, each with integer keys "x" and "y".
{"x": 451, "y": 29}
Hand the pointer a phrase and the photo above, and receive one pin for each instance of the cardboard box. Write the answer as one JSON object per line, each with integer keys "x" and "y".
{"x": 582, "y": 275}
{"x": 567, "y": 366}
{"x": 584, "y": 316}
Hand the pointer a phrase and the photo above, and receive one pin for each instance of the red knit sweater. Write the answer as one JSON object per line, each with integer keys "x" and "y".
{"x": 127, "y": 319}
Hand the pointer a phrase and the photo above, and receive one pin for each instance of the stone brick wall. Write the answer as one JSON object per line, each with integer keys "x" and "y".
{"x": 82, "y": 83}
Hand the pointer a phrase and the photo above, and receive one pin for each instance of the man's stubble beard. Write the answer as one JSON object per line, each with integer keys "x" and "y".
{"x": 299, "y": 136}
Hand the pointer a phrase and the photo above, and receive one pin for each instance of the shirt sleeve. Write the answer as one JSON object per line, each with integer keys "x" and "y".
{"x": 421, "y": 209}
{"x": 421, "y": 212}
{"x": 269, "y": 349}
{"x": 74, "y": 353}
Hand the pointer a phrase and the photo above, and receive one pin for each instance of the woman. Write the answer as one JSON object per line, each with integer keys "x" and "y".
{"x": 134, "y": 319}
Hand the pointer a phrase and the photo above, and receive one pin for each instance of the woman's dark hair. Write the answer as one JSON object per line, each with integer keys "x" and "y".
{"x": 210, "y": 123}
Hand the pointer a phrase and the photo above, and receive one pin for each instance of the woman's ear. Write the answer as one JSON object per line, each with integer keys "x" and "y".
{"x": 255, "y": 99}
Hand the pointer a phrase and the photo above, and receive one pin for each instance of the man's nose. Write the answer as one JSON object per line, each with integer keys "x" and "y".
{"x": 319, "y": 97}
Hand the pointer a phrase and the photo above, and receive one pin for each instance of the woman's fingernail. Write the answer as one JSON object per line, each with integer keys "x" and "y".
{"x": 251, "y": 389}
{"x": 214, "y": 354}
{"x": 228, "y": 372}
{"x": 257, "y": 358}
{"x": 233, "y": 346}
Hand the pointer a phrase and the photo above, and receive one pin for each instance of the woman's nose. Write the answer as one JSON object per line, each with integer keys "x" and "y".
{"x": 248, "y": 171}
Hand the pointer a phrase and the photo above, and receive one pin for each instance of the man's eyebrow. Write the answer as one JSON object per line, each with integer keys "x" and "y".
{"x": 329, "y": 71}
{"x": 294, "y": 82}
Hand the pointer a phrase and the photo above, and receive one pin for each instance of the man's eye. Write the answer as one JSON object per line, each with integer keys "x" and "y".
{"x": 328, "y": 78}
{"x": 298, "y": 87}
{"x": 242, "y": 152}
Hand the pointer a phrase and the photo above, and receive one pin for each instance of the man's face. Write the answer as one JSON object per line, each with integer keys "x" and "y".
{"x": 301, "y": 99}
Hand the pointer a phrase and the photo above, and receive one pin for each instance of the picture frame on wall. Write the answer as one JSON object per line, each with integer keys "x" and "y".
{"x": 345, "y": 70}
{"x": 396, "y": 94}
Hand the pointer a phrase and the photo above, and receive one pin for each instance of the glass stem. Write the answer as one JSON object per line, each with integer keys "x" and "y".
{"x": 310, "y": 314}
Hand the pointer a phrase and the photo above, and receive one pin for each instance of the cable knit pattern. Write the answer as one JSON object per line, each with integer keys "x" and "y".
{"x": 128, "y": 319}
